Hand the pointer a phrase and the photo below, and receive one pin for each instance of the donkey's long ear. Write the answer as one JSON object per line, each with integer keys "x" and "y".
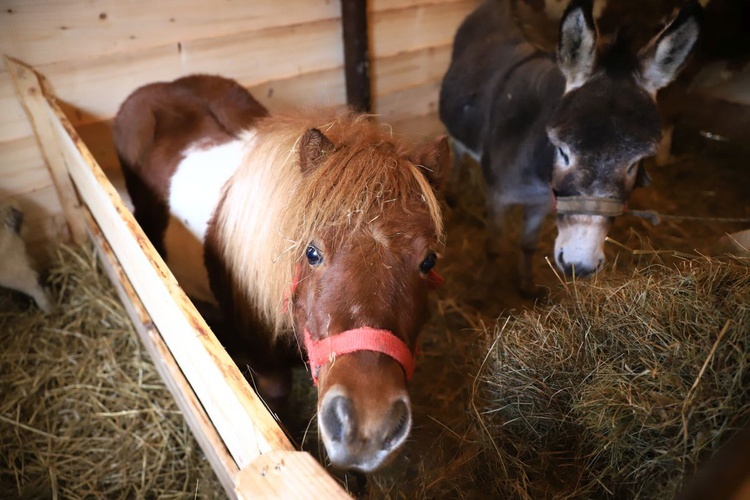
{"x": 665, "y": 55}
{"x": 313, "y": 148}
{"x": 433, "y": 159}
{"x": 576, "y": 43}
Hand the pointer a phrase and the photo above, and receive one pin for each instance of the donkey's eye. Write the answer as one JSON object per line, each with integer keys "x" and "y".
{"x": 632, "y": 168}
{"x": 314, "y": 257}
{"x": 564, "y": 156}
{"x": 427, "y": 264}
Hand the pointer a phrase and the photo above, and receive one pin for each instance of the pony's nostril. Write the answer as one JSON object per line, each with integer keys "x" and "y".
{"x": 400, "y": 425}
{"x": 337, "y": 419}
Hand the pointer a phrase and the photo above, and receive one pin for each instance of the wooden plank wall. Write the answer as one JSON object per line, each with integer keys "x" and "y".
{"x": 288, "y": 53}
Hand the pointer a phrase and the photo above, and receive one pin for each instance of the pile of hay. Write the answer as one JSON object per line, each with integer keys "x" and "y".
{"x": 83, "y": 412}
{"x": 620, "y": 389}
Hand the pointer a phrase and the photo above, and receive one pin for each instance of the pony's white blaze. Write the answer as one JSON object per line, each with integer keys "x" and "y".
{"x": 581, "y": 243}
{"x": 197, "y": 183}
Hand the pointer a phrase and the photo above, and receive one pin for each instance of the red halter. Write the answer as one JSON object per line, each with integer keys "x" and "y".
{"x": 320, "y": 352}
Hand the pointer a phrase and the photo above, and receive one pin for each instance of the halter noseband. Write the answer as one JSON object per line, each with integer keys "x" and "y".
{"x": 325, "y": 350}
{"x": 589, "y": 205}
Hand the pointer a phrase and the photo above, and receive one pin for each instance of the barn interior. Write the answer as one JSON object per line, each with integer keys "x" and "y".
{"x": 648, "y": 409}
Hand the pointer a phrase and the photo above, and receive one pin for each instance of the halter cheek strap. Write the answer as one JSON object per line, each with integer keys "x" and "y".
{"x": 320, "y": 352}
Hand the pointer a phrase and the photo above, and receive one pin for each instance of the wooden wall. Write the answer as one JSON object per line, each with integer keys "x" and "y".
{"x": 288, "y": 53}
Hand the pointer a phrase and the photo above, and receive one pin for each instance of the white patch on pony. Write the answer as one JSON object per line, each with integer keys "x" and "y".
{"x": 195, "y": 191}
{"x": 197, "y": 183}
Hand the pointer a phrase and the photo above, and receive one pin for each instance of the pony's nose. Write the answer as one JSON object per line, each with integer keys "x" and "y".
{"x": 360, "y": 443}
{"x": 580, "y": 269}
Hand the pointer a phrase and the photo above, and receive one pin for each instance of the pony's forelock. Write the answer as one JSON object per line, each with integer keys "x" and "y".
{"x": 272, "y": 211}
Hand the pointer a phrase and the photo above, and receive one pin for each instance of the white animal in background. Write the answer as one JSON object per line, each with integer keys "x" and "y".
{"x": 16, "y": 271}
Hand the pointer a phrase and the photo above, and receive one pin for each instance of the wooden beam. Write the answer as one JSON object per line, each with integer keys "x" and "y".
{"x": 356, "y": 55}
{"x": 30, "y": 91}
{"x": 287, "y": 474}
{"x": 165, "y": 364}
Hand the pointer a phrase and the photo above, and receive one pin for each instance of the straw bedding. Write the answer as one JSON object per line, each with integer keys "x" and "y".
{"x": 83, "y": 413}
{"x": 618, "y": 386}
{"x": 623, "y": 386}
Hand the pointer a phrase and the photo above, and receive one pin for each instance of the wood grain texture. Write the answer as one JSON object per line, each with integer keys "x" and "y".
{"x": 30, "y": 91}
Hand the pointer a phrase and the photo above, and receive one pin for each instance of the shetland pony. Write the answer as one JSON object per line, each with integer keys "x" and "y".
{"x": 567, "y": 134}
{"x": 320, "y": 233}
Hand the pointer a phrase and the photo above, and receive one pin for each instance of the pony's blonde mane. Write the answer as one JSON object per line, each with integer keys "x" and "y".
{"x": 272, "y": 211}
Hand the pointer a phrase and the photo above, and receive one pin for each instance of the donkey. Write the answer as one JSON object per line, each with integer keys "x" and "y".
{"x": 566, "y": 134}
{"x": 320, "y": 232}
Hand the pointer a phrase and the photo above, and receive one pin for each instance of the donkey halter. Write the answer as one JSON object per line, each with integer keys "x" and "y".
{"x": 589, "y": 205}
{"x": 365, "y": 338}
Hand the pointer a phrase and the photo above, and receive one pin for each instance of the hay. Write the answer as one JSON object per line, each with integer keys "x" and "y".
{"x": 623, "y": 387}
{"x": 83, "y": 412}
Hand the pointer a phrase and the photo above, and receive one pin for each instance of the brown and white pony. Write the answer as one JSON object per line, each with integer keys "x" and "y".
{"x": 320, "y": 230}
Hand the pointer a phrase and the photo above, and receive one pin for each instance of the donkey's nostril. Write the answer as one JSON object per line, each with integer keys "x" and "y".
{"x": 337, "y": 418}
{"x": 400, "y": 425}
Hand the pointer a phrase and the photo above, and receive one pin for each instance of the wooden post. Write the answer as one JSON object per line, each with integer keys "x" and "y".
{"x": 356, "y": 54}
{"x": 31, "y": 93}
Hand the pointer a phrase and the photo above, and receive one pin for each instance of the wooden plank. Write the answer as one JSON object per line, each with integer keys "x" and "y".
{"x": 93, "y": 89}
{"x": 410, "y": 69}
{"x": 409, "y": 103}
{"x": 165, "y": 364}
{"x": 31, "y": 94}
{"x": 415, "y": 28}
{"x": 13, "y": 122}
{"x": 43, "y": 32}
{"x": 383, "y": 5}
{"x": 22, "y": 169}
{"x": 286, "y": 475}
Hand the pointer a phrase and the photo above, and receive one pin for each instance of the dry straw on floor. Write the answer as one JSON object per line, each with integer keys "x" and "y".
{"x": 83, "y": 412}
{"x": 622, "y": 387}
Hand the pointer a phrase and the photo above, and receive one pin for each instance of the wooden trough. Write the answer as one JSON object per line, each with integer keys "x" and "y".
{"x": 248, "y": 451}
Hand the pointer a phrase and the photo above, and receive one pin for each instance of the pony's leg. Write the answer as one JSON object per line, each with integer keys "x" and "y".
{"x": 151, "y": 212}
{"x": 533, "y": 215}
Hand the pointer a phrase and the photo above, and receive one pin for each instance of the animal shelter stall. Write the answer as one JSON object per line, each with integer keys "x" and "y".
{"x": 92, "y": 56}
{"x": 631, "y": 383}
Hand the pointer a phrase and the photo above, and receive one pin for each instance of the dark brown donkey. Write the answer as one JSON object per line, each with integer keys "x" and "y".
{"x": 572, "y": 129}
{"x": 320, "y": 233}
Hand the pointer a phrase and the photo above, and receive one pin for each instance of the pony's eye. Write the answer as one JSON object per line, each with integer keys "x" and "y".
{"x": 632, "y": 168}
{"x": 314, "y": 257}
{"x": 564, "y": 156}
{"x": 427, "y": 264}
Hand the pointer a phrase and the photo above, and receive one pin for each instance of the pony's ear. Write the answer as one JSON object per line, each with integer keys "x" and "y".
{"x": 313, "y": 148}
{"x": 576, "y": 43}
{"x": 665, "y": 55}
{"x": 434, "y": 160}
